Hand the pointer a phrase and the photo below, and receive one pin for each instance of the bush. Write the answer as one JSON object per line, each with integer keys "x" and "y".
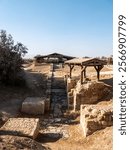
{"x": 10, "y": 58}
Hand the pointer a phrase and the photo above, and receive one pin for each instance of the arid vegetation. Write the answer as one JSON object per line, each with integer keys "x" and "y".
{"x": 10, "y": 59}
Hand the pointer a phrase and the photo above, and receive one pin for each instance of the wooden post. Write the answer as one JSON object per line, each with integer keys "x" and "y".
{"x": 98, "y": 68}
{"x": 81, "y": 77}
{"x": 83, "y": 74}
{"x": 71, "y": 67}
{"x": 85, "y": 71}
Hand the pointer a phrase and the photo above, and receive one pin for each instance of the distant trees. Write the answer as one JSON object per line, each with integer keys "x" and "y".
{"x": 10, "y": 58}
{"x": 109, "y": 59}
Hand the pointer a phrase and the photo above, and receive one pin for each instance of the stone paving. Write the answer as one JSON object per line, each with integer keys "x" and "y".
{"x": 54, "y": 128}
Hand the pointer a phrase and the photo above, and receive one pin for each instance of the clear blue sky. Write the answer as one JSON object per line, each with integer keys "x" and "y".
{"x": 71, "y": 27}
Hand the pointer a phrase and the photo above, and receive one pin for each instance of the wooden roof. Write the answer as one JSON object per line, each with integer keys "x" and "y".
{"x": 54, "y": 55}
{"x": 86, "y": 62}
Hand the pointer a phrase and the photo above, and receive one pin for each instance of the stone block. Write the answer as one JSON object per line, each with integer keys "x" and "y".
{"x": 28, "y": 127}
{"x": 95, "y": 117}
{"x": 33, "y": 105}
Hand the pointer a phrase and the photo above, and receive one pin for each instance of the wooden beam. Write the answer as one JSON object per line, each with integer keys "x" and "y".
{"x": 98, "y": 68}
{"x": 71, "y": 68}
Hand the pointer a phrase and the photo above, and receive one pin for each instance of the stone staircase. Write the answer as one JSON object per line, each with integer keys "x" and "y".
{"x": 58, "y": 94}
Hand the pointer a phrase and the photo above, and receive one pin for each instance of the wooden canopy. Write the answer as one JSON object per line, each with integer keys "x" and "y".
{"x": 54, "y": 57}
{"x": 84, "y": 63}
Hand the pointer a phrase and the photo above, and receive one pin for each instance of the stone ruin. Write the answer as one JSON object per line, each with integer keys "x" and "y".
{"x": 88, "y": 93}
{"x": 27, "y": 127}
{"x": 95, "y": 117}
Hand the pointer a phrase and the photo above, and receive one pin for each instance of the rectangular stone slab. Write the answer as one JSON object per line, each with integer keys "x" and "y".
{"x": 33, "y": 105}
{"x": 28, "y": 127}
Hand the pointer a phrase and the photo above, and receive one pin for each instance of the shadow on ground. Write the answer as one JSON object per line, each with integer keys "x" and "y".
{"x": 48, "y": 137}
{"x": 108, "y": 81}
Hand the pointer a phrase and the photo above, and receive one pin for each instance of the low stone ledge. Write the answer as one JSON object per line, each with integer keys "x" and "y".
{"x": 28, "y": 127}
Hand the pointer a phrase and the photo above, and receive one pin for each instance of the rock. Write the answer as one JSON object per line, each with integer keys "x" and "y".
{"x": 28, "y": 127}
{"x": 57, "y": 120}
{"x": 94, "y": 112}
{"x": 33, "y": 105}
{"x": 65, "y": 134}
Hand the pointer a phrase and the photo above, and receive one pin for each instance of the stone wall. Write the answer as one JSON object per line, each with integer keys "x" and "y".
{"x": 71, "y": 99}
{"x": 71, "y": 84}
{"x": 95, "y": 117}
{"x": 89, "y": 93}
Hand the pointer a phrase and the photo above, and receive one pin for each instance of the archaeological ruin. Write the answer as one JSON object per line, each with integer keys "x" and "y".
{"x": 72, "y": 88}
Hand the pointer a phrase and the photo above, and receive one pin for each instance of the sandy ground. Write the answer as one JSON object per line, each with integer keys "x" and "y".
{"x": 77, "y": 142}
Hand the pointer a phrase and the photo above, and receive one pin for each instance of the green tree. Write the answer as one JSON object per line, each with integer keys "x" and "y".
{"x": 10, "y": 57}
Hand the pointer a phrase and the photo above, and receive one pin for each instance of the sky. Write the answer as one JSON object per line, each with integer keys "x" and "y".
{"x": 71, "y": 27}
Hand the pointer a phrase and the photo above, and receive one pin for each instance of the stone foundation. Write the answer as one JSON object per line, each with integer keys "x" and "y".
{"x": 95, "y": 117}
{"x": 88, "y": 93}
{"x": 28, "y": 127}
